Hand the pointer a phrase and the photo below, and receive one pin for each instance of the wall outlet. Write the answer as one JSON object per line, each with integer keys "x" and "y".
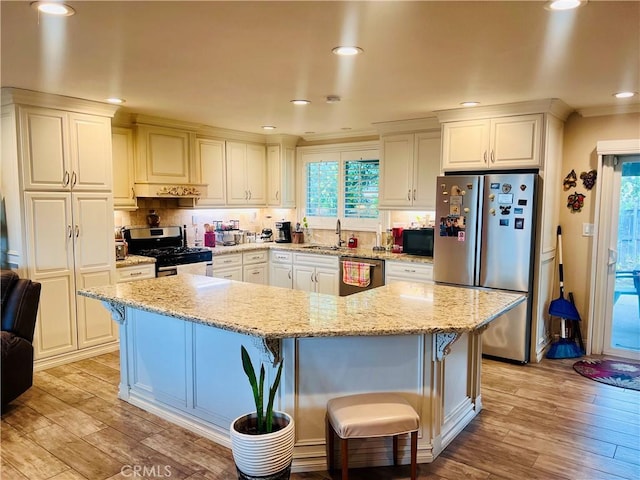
{"x": 587, "y": 229}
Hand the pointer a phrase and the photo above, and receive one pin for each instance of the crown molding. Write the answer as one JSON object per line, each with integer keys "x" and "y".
{"x": 408, "y": 126}
{"x": 21, "y": 96}
{"x": 314, "y": 137}
{"x": 228, "y": 134}
{"x": 553, "y": 106}
{"x": 618, "y": 147}
{"x": 609, "y": 110}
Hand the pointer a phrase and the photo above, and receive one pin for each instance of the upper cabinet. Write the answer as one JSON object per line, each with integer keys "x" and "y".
{"x": 497, "y": 143}
{"x": 410, "y": 163}
{"x": 65, "y": 151}
{"x": 166, "y": 164}
{"x": 246, "y": 174}
{"x": 124, "y": 194}
{"x": 210, "y": 155}
{"x": 281, "y": 173}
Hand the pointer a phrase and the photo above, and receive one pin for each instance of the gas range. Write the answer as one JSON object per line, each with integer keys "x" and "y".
{"x": 166, "y": 244}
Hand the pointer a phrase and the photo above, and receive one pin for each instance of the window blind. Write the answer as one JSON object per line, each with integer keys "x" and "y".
{"x": 361, "y": 188}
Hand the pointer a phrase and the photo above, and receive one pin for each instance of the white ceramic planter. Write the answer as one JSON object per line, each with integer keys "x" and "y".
{"x": 265, "y": 454}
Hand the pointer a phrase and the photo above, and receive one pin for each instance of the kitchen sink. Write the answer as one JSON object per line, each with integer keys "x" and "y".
{"x": 322, "y": 247}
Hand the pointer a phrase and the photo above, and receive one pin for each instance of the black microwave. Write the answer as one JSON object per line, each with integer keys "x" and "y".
{"x": 418, "y": 242}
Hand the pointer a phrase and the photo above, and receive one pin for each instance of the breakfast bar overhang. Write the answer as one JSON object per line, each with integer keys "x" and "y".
{"x": 180, "y": 339}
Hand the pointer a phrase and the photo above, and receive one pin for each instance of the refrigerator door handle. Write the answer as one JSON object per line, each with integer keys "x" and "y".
{"x": 613, "y": 257}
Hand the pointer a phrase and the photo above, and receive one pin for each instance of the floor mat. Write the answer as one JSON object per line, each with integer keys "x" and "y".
{"x": 612, "y": 372}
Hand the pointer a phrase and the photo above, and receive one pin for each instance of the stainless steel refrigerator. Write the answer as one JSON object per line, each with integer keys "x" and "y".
{"x": 486, "y": 238}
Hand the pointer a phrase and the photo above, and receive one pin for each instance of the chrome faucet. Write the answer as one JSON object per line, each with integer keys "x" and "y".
{"x": 339, "y": 233}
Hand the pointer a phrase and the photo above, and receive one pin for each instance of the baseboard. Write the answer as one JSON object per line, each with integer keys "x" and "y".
{"x": 50, "y": 362}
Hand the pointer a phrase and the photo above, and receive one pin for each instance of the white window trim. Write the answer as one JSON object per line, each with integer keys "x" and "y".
{"x": 340, "y": 153}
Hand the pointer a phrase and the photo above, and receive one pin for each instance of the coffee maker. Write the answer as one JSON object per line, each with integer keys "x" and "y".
{"x": 284, "y": 232}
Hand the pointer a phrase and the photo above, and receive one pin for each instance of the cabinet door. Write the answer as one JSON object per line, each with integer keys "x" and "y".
{"x": 46, "y": 161}
{"x": 210, "y": 154}
{"x": 396, "y": 171}
{"x": 94, "y": 265}
{"x": 515, "y": 141}
{"x": 256, "y": 274}
{"x": 256, "y": 175}
{"x": 90, "y": 148}
{"x": 281, "y": 276}
{"x": 327, "y": 281}
{"x": 163, "y": 155}
{"x": 236, "y": 162}
{"x": 234, "y": 273}
{"x": 303, "y": 278}
{"x": 426, "y": 170}
{"x": 288, "y": 182}
{"x": 274, "y": 176}
{"x": 124, "y": 195}
{"x": 465, "y": 145}
{"x": 49, "y": 231}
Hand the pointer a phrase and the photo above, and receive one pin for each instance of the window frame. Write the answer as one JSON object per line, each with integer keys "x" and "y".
{"x": 340, "y": 153}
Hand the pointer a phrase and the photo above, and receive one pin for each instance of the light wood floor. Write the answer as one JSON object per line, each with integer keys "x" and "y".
{"x": 540, "y": 421}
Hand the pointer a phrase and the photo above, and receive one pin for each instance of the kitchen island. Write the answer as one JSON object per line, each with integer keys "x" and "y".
{"x": 180, "y": 354}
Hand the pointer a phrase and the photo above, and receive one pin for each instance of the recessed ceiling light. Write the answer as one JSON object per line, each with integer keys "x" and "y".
{"x": 301, "y": 102}
{"x": 54, "y": 8}
{"x": 558, "y": 5}
{"x": 309, "y": 132}
{"x": 347, "y": 50}
{"x": 333, "y": 98}
{"x": 116, "y": 100}
{"x": 470, "y": 104}
{"x": 624, "y": 94}
{"x": 268, "y": 127}
{"x": 345, "y": 128}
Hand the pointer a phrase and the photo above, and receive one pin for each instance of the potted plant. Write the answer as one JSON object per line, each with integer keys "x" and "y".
{"x": 262, "y": 441}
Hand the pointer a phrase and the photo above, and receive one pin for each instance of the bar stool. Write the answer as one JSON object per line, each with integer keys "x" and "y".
{"x": 370, "y": 415}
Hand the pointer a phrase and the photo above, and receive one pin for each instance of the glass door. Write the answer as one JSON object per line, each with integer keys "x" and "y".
{"x": 622, "y": 322}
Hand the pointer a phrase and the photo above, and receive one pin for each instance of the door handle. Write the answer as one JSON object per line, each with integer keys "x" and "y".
{"x": 77, "y": 231}
{"x": 485, "y": 156}
{"x": 74, "y": 178}
{"x": 69, "y": 231}
{"x": 133, "y": 193}
{"x": 409, "y": 195}
{"x": 65, "y": 179}
{"x": 277, "y": 194}
{"x": 493, "y": 157}
{"x": 414, "y": 193}
{"x": 613, "y": 257}
{"x": 249, "y": 194}
{"x": 289, "y": 274}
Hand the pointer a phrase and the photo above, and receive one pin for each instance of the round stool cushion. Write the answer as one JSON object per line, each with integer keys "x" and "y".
{"x": 371, "y": 415}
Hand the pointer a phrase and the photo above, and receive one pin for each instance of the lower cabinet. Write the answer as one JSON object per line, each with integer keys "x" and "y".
{"x": 281, "y": 269}
{"x": 408, "y": 272}
{"x": 255, "y": 267}
{"x": 228, "y": 267}
{"x": 316, "y": 273}
{"x": 135, "y": 272}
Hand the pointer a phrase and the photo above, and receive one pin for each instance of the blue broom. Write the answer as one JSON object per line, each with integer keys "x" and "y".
{"x": 563, "y": 308}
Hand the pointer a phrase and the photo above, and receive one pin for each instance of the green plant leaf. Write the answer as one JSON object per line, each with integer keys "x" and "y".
{"x": 272, "y": 396}
{"x": 251, "y": 374}
{"x": 261, "y": 421}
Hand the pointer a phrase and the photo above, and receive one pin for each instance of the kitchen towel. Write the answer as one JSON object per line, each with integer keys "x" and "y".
{"x": 356, "y": 274}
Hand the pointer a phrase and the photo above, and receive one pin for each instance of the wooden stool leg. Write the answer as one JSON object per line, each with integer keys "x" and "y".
{"x": 329, "y": 441}
{"x": 344, "y": 451}
{"x": 414, "y": 455}
{"x": 395, "y": 450}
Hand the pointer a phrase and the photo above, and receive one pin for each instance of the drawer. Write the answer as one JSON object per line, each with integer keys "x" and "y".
{"x": 279, "y": 256}
{"x": 226, "y": 261}
{"x": 135, "y": 272}
{"x": 259, "y": 256}
{"x": 410, "y": 271}
{"x": 233, "y": 273}
{"x": 329, "y": 261}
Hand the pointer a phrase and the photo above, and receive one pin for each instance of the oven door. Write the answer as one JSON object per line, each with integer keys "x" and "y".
{"x": 198, "y": 268}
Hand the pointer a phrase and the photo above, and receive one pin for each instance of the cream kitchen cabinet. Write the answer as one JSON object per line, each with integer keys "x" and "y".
{"x": 281, "y": 173}
{"x": 410, "y": 164}
{"x": 124, "y": 194}
{"x": 316, "y": 273}
{"x": 256, "y": 267}
{"x": 65, "y": 151}
{"x": 246, "y": 174}
{"x": 135, "y": 272}
{"x": 502, "y": 143}
{"x": 70, "y": 244}
{"x": 54, "y": 151}
{"x": 408, "y": 272}
{"x": 227, "y": 266}
{"x": 281, "y": 269}
{"x": 210, "y": 155}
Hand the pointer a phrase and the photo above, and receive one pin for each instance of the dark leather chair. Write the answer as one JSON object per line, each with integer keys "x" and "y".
{"x": 20, "y": 300}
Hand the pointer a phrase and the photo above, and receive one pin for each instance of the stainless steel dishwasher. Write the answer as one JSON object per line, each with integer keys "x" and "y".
{"x": 377, "y": 275}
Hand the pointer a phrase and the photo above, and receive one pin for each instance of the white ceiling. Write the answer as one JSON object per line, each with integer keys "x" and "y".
{"x": 237, "y": 65}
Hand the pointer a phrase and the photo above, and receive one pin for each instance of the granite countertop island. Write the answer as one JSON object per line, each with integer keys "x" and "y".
{"x": 274, "y": 313}
{"x": 180, "y": 341}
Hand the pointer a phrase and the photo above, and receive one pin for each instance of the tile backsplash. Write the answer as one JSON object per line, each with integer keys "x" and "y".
{"x": 254, "y": 220}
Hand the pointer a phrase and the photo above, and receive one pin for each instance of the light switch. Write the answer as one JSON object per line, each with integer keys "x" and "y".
{"x": 587, "y": 229}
